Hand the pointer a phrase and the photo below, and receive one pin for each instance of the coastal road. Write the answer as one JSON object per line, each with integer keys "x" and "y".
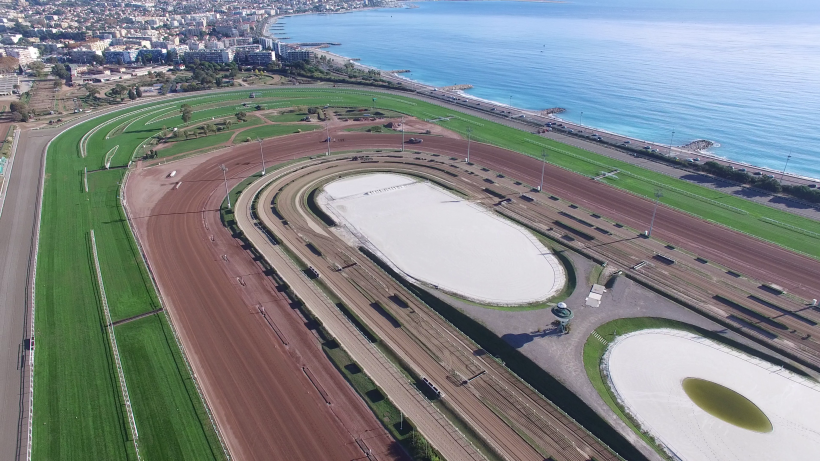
{"x": 17, "y": 238}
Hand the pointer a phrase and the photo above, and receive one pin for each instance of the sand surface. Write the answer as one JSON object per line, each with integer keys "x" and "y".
{"x": 436, "y": 237}
{"x": 647, "y": 368}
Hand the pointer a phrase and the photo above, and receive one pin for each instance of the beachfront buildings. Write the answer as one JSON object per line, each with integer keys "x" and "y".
{"x": 223, "y": 56}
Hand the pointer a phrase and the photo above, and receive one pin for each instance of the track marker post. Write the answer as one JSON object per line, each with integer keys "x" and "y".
{"x": 543, "y": 168}
{"x": 658, "y": 195}
{"x": 225, "y": 176}
{"x": 262, "y": 154}
{"x": 469, "y": 132}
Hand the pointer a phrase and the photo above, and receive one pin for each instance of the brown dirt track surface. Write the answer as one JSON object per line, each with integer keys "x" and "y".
{"x": 262, "y": 400}
{"x": 753, "y": 257}
{"x": 264, "y": 403}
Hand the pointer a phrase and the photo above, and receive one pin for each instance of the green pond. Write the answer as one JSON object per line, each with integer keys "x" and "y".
{"x": 726, "y": 404}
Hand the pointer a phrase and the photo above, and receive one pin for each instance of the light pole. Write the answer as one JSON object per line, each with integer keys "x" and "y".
{"x": 469, "y": 131}
{"x": 784, "y": 167}
{"x": 671, "y": 141}
{"x": 402, "y": 133}
{"x": 510, "y": 108}
{"x": 581, "y": 119}
{"x": 261, "y": 154}
{"x": 658, "y": 195}
{"x": 543, "y": 167}
{"x": 225, "y": 176}
{"x": 327, "y": 138}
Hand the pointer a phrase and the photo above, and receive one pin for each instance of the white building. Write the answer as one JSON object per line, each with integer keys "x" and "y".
{"x": 25, "y": 54}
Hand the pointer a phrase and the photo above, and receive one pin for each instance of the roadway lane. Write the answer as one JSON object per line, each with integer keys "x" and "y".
{"x": 17, "y": 232}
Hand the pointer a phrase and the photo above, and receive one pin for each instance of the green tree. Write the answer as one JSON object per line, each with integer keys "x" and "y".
{"x": 38, "y": 67}
{"x": 228, "y": 124}
{"x": 131, "y": 94}
{"x": 119, "y": 89}
{"x": 59, "y": 71}
{"x": 139, "y": 92}
{"x": 92, "y": 91}
{"x": 241, "y": 116}
{"x": 187, "y": 112}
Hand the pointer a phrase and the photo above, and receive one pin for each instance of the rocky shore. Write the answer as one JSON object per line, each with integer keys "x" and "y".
{"x": 698, "y": 145}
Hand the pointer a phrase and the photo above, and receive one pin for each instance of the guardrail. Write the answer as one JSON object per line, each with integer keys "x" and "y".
{"x": 109, "y": 325}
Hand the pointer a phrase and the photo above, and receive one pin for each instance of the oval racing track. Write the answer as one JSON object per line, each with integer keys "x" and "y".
{"x": 262, "y": 401}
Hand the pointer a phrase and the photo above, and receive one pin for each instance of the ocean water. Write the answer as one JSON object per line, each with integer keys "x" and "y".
{"x": 745, "y": 74}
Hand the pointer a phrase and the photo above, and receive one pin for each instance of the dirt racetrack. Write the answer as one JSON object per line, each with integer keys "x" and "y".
{"x": 760, "y": 260}
{"x": 262, "y": 400}
{"x": 258, "y": 387}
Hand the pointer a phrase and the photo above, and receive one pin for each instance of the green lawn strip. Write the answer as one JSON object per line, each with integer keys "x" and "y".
{"x": 192, "y": 144}
{"x": 128, "y": 286}
{"x": 286, "y": 117}
{"x": 370, "y": 129}
{"x": 594, "y": 351}
{"x": 169, "y": 413}
{"x": 78, "y": 412}
{"x": 270, "y": 131}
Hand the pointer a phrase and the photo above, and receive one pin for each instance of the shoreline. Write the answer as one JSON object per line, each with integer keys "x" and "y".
{"x": 475, "y": 102}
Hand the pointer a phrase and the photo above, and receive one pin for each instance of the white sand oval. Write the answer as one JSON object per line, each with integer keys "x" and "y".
{"x": 646, "y": 371}
{"x": 436, "y": 237}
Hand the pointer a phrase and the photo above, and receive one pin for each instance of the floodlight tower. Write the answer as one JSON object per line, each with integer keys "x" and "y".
{"x": 261, "y": 154}
{"x": 658, "y": 195}
{"x": 402, "y": 133}
{"x": 469, "y": 132}
{"x": 225, "y": 176}
{"x": 327, "y": 137}
{"x": 671, "y": 141}
{"x": 543, "y": 167}
{"x": 784, "y": 167}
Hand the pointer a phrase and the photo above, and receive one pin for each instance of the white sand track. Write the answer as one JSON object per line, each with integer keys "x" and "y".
{"x": 646, "y": 370}
{"x": 438, "y": 238}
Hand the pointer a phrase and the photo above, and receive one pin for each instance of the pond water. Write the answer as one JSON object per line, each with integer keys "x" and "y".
{"x": 726, "y": 404}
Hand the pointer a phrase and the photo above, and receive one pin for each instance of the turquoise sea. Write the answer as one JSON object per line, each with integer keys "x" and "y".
{"x": 745, "y": 74}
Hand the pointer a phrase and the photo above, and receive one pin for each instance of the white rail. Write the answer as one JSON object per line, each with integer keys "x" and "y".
{"x": 183, "y": 352}
{"x": 110, "y": 326}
